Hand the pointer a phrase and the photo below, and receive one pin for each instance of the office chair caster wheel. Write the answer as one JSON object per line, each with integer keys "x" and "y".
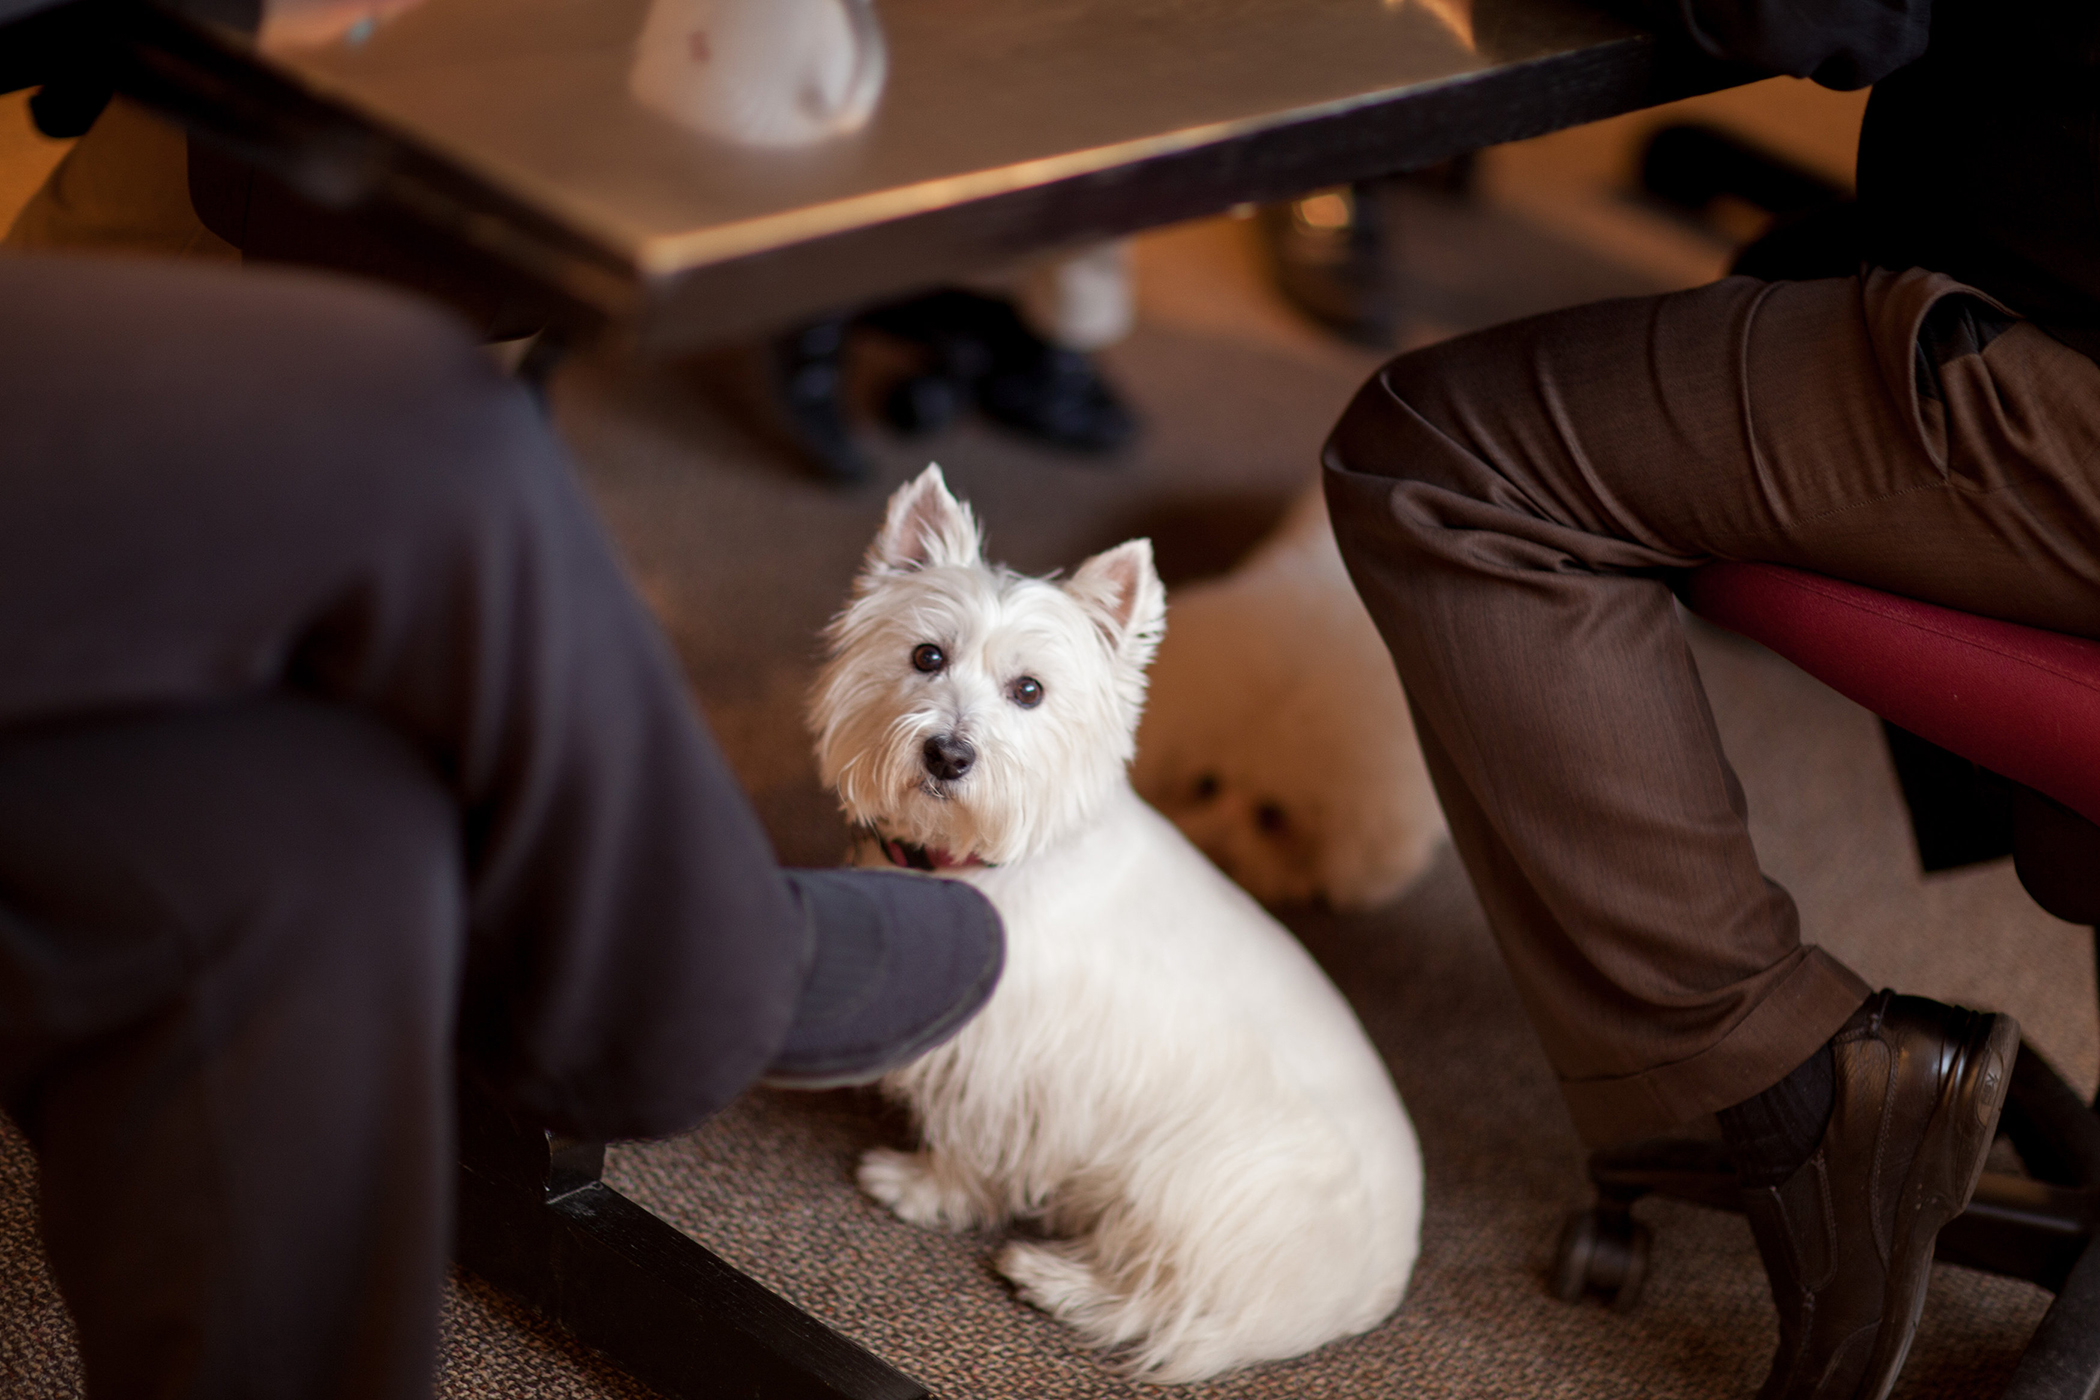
{"x": 1602, "y": 1251}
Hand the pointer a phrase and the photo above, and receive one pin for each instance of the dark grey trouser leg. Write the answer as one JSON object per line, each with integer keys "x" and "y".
{"x": 215, "y": 484}
{"x": 230, "y": 945}
{"x": 1513, "y": 506}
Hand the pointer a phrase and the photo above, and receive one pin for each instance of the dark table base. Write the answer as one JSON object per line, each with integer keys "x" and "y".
{"x": 536, "y": 1221}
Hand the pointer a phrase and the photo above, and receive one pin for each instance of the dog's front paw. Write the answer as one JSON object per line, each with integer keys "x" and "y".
{"x": 915, "y": 1186}
{"x": 1051, "y": 1276}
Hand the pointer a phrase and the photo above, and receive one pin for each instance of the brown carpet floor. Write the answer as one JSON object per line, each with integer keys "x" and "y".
{"x": 745, "y": 560}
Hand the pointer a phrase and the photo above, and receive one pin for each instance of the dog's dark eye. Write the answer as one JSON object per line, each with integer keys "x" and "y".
{"x": 928, "y": 658}
{"x": 1207, "y": 786}
{"x": 1270, "y": 818}
{"x": 1027, "y": 692}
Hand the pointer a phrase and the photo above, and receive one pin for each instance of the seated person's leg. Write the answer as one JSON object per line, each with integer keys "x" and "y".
{"x": 218, "y": 486}
{"x": 234, "y": 934}
{"x": 1512, "y": 506}
{"x": 219, "y": 482}
{"x": 315, "y": 486}
{"x": 1509, "y": 504}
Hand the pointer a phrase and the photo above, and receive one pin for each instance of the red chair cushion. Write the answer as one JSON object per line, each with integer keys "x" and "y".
{"x": 2022, "y": 702}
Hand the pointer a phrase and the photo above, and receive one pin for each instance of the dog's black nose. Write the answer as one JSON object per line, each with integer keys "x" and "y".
{"x": 948, "y": 757}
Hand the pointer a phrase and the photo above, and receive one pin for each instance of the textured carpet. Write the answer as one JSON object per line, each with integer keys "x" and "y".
{"x": 745, "y": 559}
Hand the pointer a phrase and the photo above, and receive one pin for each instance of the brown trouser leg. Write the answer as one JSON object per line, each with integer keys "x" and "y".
{"x": 1513, "y": 505}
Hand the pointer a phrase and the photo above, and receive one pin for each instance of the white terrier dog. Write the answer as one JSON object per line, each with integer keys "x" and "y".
{"x": 1164, "y": 1081}
{"x": 1278, "y": 738}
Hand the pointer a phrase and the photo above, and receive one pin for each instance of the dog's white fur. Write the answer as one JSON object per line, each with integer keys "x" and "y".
{"x": 1164, "y": 1081}
{"x": 1277, "y": 736}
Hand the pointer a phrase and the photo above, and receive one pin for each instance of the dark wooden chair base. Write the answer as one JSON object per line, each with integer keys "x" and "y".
{"x": 536, "y": 1221}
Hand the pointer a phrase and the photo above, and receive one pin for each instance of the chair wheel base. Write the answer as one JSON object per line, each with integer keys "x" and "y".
{"x": 1602, "y": 1251}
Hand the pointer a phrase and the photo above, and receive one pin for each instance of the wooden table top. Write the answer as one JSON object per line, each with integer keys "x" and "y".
{"x": 706, "y": 168}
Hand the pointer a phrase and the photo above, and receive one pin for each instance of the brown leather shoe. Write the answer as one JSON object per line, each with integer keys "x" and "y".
{"x": 1847, "y": 1240}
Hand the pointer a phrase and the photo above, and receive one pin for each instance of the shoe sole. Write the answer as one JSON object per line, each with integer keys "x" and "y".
{"x": 1965, "y": 1122}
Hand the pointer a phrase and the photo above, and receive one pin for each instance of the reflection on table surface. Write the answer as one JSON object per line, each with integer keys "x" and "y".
{"x": 687, "y": 132}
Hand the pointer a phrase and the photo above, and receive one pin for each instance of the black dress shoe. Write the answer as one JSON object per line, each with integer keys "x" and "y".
{"x": 1847, "y": 1240}
{"x": 899, "y": 964}
{"x": 977, "y": 350}
{"x": 1058, "y": 397}
{"x": 809, "y": 385}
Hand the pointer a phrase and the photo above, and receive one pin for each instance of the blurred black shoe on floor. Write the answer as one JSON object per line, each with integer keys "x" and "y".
{"x": 810, "y": 385}
{"x": 976, "y": 351}
{"x": 969, "y": 351}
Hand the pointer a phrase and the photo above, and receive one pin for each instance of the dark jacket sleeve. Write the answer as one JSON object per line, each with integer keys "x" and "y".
{"x": 1839, "y": 43}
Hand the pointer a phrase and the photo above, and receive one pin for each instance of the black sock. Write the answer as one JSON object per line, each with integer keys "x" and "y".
{"x": 1771, "y": 1135}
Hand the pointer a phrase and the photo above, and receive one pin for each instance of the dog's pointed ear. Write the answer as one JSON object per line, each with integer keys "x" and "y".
{"x": 1121, "y": 591}
{"x": 925, "y": 527}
